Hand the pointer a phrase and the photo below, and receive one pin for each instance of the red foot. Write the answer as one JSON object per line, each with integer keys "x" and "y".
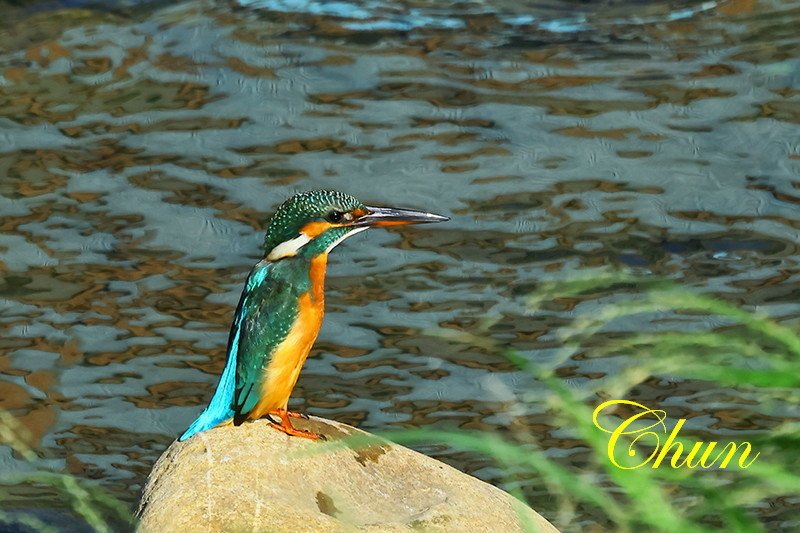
{"x": 286, "y": 425}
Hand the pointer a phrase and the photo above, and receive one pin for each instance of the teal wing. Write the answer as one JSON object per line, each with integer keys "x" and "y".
{"x": 268, "y": 310}
{"x": 247, "y": 347}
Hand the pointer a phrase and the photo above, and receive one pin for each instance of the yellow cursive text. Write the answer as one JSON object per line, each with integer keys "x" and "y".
{"x": 635, "y": 429}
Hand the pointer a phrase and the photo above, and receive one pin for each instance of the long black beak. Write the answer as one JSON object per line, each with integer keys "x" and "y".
{"x": 390, "y": 216}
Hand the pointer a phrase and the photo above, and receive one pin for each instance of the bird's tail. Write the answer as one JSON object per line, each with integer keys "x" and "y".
{"x": 220, "y": 409}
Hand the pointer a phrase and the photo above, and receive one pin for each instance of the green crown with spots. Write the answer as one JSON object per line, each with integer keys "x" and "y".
{"x": 306, "y": 207}
{"x": 313, "y": 222}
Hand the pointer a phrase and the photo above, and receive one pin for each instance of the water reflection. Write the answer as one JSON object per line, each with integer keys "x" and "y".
{"x": 142, "y": 149}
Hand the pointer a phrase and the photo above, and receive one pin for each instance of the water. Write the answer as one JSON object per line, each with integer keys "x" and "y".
{"x": 142, "y": 147}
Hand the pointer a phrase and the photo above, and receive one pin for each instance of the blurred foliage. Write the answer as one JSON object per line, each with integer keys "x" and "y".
{"x": 752, "y": 353}
{"x": 93, "y": 504}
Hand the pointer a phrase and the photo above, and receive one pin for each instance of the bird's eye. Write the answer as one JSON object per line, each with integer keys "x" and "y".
{"x": 335, "y": 216}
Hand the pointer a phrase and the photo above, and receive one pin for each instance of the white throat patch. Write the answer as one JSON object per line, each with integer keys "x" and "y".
{"x": 292, "y": 246}
{"x": 288, "y": 248}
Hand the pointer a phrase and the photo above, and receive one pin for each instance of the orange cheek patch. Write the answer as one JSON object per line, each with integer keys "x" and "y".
{"x": 314, "y": 229}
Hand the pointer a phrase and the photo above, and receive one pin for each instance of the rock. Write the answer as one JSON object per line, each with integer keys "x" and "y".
{"x": 254, "y": 478}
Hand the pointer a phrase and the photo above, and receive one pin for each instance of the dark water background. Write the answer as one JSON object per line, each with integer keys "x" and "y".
{"x": 141, "y": 147}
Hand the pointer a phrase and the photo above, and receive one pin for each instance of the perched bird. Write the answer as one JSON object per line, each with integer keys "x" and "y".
{"x": 281, "y": 308}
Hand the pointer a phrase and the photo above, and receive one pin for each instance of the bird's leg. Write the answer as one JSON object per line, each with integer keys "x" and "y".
{"x": 286, "y": 425}
{"x": 290, "y": 414}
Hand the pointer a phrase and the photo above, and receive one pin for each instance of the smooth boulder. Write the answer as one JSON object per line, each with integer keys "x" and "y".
{"x": 254, "y": 478}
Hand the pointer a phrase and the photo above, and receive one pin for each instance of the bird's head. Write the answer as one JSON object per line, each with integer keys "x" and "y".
{"x": 314, "y": 222}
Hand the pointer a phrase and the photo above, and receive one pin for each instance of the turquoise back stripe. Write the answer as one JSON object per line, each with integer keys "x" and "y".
{"x": 221, "y": 407}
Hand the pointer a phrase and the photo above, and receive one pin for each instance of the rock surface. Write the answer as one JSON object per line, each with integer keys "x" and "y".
{"x": 254, "y": 478}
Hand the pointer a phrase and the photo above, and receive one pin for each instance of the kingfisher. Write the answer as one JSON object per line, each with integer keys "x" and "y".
{"x": 281, "y": 307}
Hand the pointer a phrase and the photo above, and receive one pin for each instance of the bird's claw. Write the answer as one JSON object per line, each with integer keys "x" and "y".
{"x": 290, "y": 414}
{"x": 294, "y": 432}
{"x": 285, "y": 424}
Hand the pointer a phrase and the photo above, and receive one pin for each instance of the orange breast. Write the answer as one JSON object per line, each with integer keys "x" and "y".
{"x": 287, "y": 361}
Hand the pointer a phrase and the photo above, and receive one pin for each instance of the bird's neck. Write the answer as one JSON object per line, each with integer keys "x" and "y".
{"x": 316, "y": 275}
{"x": 304, "y": 274}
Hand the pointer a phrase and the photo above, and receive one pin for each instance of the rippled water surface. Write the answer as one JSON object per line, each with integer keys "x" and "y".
{"x": 142, "y": 147}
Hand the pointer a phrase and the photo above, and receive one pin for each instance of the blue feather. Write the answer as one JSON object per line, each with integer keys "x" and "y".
{"x": 221, "y": 407}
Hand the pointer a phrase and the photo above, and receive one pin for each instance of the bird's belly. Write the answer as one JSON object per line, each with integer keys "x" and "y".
{"x": 287, "y": 360}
